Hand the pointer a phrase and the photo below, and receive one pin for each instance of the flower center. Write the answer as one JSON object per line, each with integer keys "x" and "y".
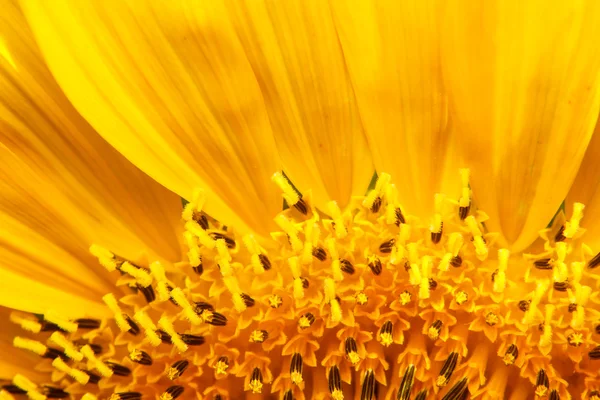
{"x": 350, "y": 302}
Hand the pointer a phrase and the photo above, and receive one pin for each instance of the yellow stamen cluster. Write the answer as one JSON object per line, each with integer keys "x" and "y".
{"x": 367, "y": 298}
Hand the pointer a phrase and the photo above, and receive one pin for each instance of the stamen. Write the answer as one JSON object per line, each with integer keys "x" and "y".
{"x": 594, "y": 262}
{"x": 204, "y": 238}
{"x": 461, "y": 297}
{"x": 375, "y": 265}
{"x": 406, "y": 385}
{"x": 229, "y": 242}
{"x": 140, "y": 357}
{"x": 500, "y": 280}
{"x": 306, "y": 320}
{"x": 511, "y": 354}
{"x": 386, "y": 247}
{"x": 149, "y": 328}
{"x": 61, "y": 322}
{"x": 164, "y": 336}
{"x": 336, "y": 215}
{"x": 70, "y": 349}
{"x": 595, "y": 353}
{"x": 259, "y": 336}
{"x": 296, "y": 368}
{"x": 575, "y": 339}
{"x": 405, "y": 297}
{"x": 29, "y": 387}
{"x": 458, "y": 391}
{"x": 256, "y": 381}
{"x": 491, "y": 319}
{"x": 464, "y": 203}
{"x": 422, "y": 395}
{"x": 99, "y": 365}
{"x": 480, "y": 247}
{"x": 368, "y": 386}
{"x": 177, "y": 369}
{"x": 26, "y": 324}
{"x": 275, "y": 301}
{"x": 546, "y": 336}
{"x": 172, "y": 392}
{"x": 126, "y": 396}
{"x": 572, "y": 226}
{"x": 399, "y": 217}
{"x": 290, "y": 195}
{"x": 79, "y": 376}
{"x": 31, "y": 345}
{"x": 346, "y": 266}
{"x": 52, "y": 392}
{"x": 105, "y": 257}
{"x": 189, "y": 310}
{"x": 351, "y": 350}
{"x": 361, "y": 298}
{"x": 288, "y": 395}
{"x": 167, "y": 326}
{"x": 434, "y": 329}
{"x": 541, "y": 384}
{"x": 447, "y": 370}
{"x": 373, "y": 199}
{"x": 192, "y": 340}
{"x": 221, "y": 366}
{"x": 335, "y": 383}
{"x": 213, "y": 318}
{"x": 194, "y": 256}
{"x": 544, "y": 264}
{"x": 195, "y": 206}
{"x": 319, "y": 253}
{"x": 554, "y": 395}
{"x": 291, "y": 230}
{"x": 87, "y": 323}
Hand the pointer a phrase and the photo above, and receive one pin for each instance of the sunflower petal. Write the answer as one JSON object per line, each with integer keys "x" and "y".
{"x": 296, "y": 55}
{"x": 85, "y": 181}
{"x": 586, "y": 190}
{"x": 392, "y": 53}
{"x": 169, "y": 86}
{"x": 525, "y": 96}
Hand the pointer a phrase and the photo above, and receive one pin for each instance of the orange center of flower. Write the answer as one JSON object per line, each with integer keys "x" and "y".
{"x": 341, "y": 303}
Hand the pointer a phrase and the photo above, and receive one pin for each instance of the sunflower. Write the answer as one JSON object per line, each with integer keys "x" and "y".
{"x": 426, "y": 239}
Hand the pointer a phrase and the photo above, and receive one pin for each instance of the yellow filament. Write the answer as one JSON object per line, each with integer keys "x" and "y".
{"x": 64, "y": 324}
{"x": 165, "y": 324}
{"x": 27, "y": 324}
{"x": 104, "y": 370}
{"x": 193, "y": 253}
{"x": 336, "y": 216}
{"x": 436, "y": 225}
{"x": 112, "y": 304}
{"x": 203, "y": 237}
{"x": 149, "y": 328}
{"x": 140, "y": 275}
{"x": 31, "y": 345}
{"x": 4, "y": 395}
{"x": 500, "y": 279}
{"x": 289, "y": 194}
{"x": 70, "y": 349}
{"x": 572, "y": 226}
{"x": 179, "y": 297}
{"x": 290, "y": 229}
{"x": 80, "y": 376}
{"x": 105, "y": 257}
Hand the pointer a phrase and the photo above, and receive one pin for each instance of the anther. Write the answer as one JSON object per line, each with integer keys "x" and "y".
{"x": 541, "y": 383}
{"x": 148, "y": 293}
{"x": 561, "y": 286}
{"x": 524, "y": 305}
{"x": 511, "y": 354}
{"x": 595, "y": 353}
{"x": 69, "y": 348}
{"x": 335, "y": 383}
{"x": 256, "y": 381}
{"x": 140, "y": 357}
{"x": 122, "y": 320}
{"x": 172, "y": 392}
{"x": 79, "y": 376}
{"x": 572, "y": 307}
{"x": 447, "y": 370}
{"x": 319, "y": 253}
{"x": 399, "y": 217}
{"x": 200, "y": 306}
{"x": 98, "y": 364}
{"x": 28, "y": 387}
{"x": 456, "y": 262}
{"x": 422, "y": 395}
{"x": 221, "y": 365}
{"x": 375, "y": 265}
{"x": 229, "y": 242}
{"x": 436, "y": 235}
{"x": 434, "y": 329}
{"x": 544, "y": 263}
{"x": 61, "y": 322}
{"x": 594, "y": 395}
{"x": 118, "y": 369}
{"x": 177, "y": 369}
{"x": 560, "y": 235}
{"x": 351, "y": 350}
{"x": 165, "y": 324}
{"x": 192, "y": 340}
{"x": 406, "y": 385}
{"x": 149, "y": 328}
{"x": 306, "y": 320}
{"x": 296, "y": 369}
{"x": 346, "y": 266}
{"x": 491, "y": 319}
{"x": 288, "y": 395}
{"x": 554, "y": 395}
{"x": 259, "y": 336}
{"x": 305, "y": 283}
{"x": 87, "y": 323}
{"x": 193, "y": 209}
{"x": 373, "y": 199}
{"x": 386, "y": 247}
{"x": 164, "y": 336}
{"x": 290, "y": 195}
{"x": 248, "y": 301}
{"x": 458, "y": 391}
{"x": 52, "y": 392}
{"x": 126, "y": 396}
{"x": 368, "y": 386}
{"x": 597, "y": 329}
{"x": 594, "y": 262}
{"x": 189, "y": 310}
{"x": 214, "y": 318}
{"x": 12, "y": 389}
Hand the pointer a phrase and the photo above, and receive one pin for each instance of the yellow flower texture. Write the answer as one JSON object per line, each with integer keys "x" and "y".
{"x": 467, "y": 268}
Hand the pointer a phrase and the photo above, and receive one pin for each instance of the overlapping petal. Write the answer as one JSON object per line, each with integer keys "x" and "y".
{"x": 524, "y": 96}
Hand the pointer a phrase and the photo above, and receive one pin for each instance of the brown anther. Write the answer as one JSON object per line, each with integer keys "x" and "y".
{"x": 296, "y": 369}
{"x": 368, "y": 386}
{"x": 560, "y": 235}
{"x": 375, "y": 266}
{"x": 437, "y": 236}
{"x": 256, "y": 380}
{"x": 306, "y": 320}
{"x": 229, "y": 242}
{"x": 458, "y": 391}
{"x": 524, "y": 305}
{"x": 572, "y": 307}
{"x": 511, "y": 354}
{"x": 192, "y": 340}
{"x": 177, "y": 369}
{"x": 301, "y": 206}
{"x": 575, "y": 339}
{"x": 597, "y": 329}
{"x": 199, "y": 269}
{"x": 118, "y": 369}
{"x": 456, "y": 262}
{"x": 561, "y": 286}
{"x": 148, "y": 293}
{"x": 87, "y": 323}
{"x": 288, "y": 395}
{"x": 222, "y": 365}
{"x": 351, "y": 350}
{"x": 594, "y": 262}
{"x": 494, "y": 274}
{"x": 319, "y": 253}
{"x": 554, "y": 395}
{"x": 399, "y": 217}
{"x": 544, "y": 264}
{"x": 126, "y": 396}
{"x": 434, "y": 329}
{"x": 386, "y": 333}
{"x": 447, "y": 370}
{"x": 376, "y": 204}
{"x": 172, "y": 392}
{"x": 12, "y": 389}
{"x": 432, "y": 284}
{"x": 406, "y": 385}
{"x": 200, "y": 219}
{"x": 200, "y": 306}
{"x": 334, "y": 380}
{"x": 140, "y": 357}
{"x": 463, "y": 212}
{"x": 248, "y": 301}
{"x": 541, "y": 383}
{"x": 214, "y": 318}
{"x": 407, "y": 265}
{"x": 52, "y": 353}
{"x": 346, "y": 266}
{"x": 422, "y": 395}
{"x": 594, "y": 395}
{"x": 164, "y": 336}
{"x": 264, "y": 261}
{"x": 259, "y": 336}
{"x": 595, "y": 353}
{"x": 305, "y": 283}
{"x": 52, "y": 392}
{"x": 386, "y": 247}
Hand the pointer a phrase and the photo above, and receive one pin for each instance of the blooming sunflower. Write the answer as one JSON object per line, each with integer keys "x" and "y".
{"x": 451, "y": 275}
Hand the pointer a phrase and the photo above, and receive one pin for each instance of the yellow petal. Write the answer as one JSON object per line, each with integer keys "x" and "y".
{"x": 586, "y": 190}
{"x": 392, "y": 54}
{"x": 296, "y": 55}
{"x": 13, "y": 360}
{"x": 169, "y": 86}
{"x": 525, "y": 95}
{"x": 84, "y": 180}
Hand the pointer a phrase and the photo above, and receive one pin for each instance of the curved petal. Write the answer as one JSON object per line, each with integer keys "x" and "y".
{"x": 296, "y": 55}
{"x": 525, "y": 95}
{"x": 84, "y": 180}
{"x": 13, "y": 360}
{"x": 586, "y": 190}
{"x": 169, "y": 86}
{"x": 392, "y": 53}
